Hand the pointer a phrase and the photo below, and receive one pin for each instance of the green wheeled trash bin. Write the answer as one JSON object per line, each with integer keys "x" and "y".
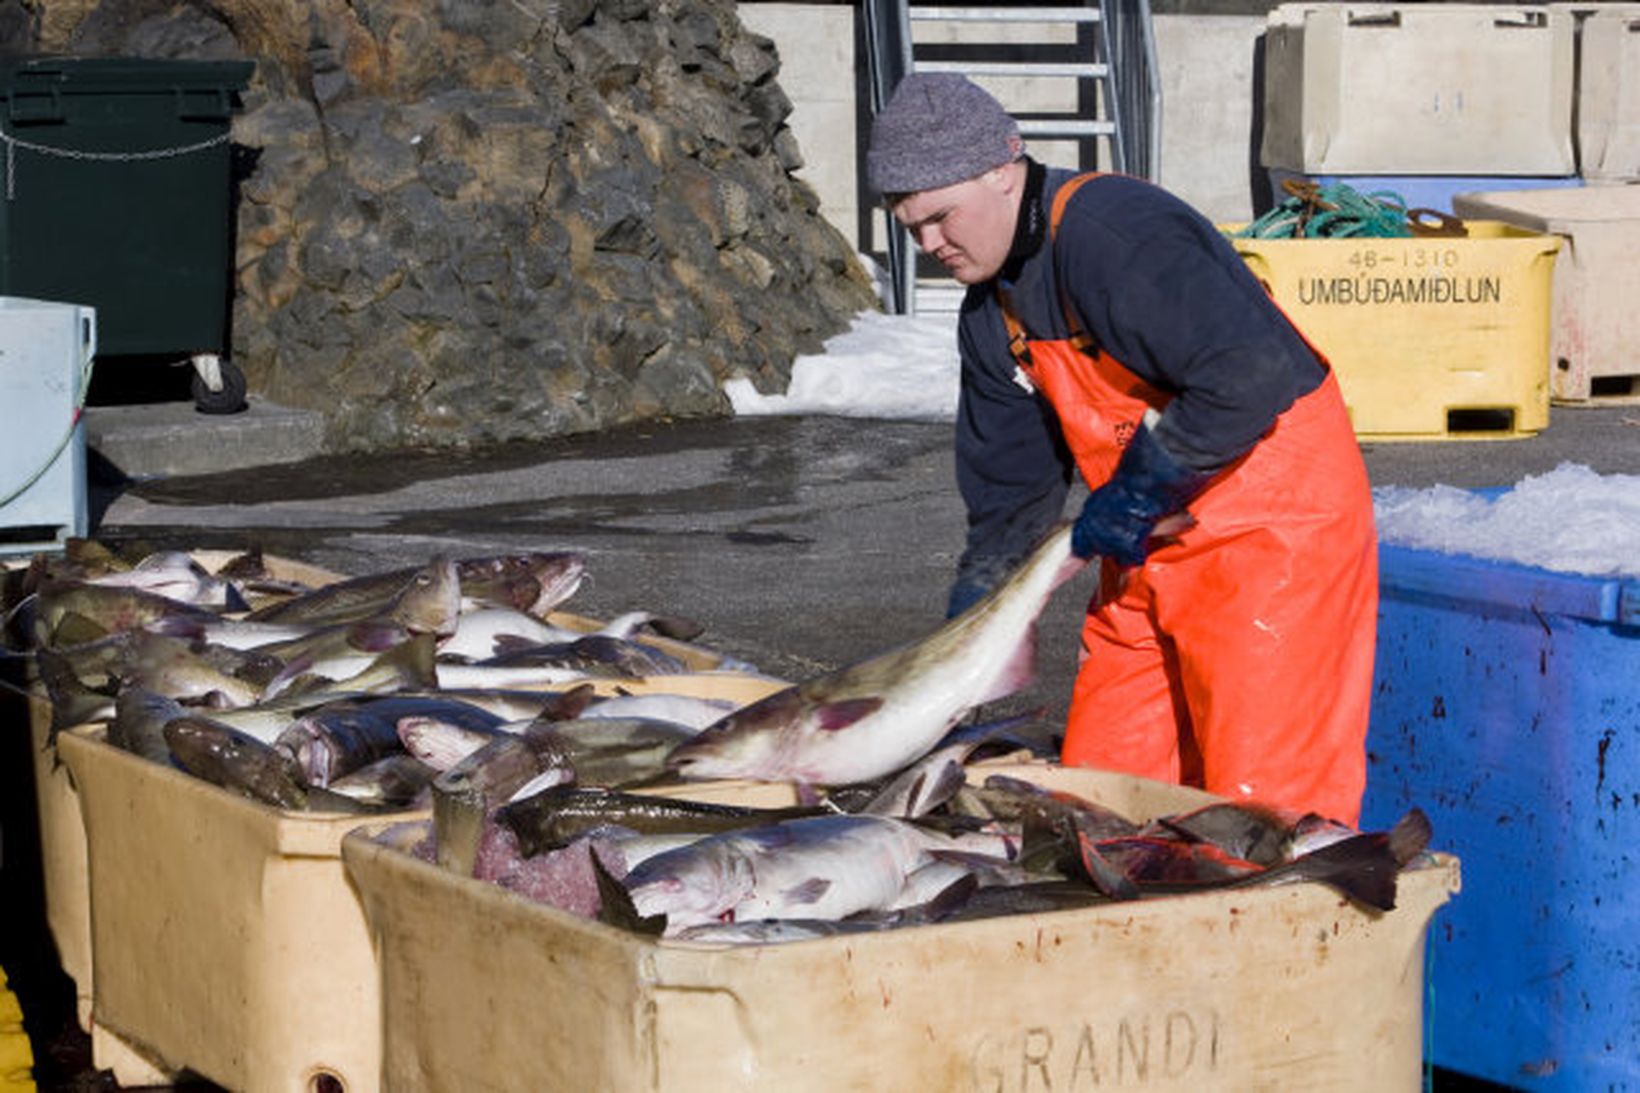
{"x": 118, "y": 193}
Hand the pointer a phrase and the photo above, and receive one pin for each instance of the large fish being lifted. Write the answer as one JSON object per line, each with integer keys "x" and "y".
{"x": 872, "y": 718}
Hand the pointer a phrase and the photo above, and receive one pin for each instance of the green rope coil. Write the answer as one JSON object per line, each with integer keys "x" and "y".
{"x": 1334, "y": 211}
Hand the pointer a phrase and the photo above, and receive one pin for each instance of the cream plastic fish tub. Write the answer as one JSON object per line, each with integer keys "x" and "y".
{"x": 62, "y": 829}
{"x": 225, "y": 936}
{"x": 1273, "y": 988}
{"x": 62, "y": 843}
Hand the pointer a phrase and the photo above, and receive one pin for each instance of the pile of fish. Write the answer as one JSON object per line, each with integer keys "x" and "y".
{"x": 352, "y": 695}
{"x": 870, "y": 857}
{"x": 450, "y": 686}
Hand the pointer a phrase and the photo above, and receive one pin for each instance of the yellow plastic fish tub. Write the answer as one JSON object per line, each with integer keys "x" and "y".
{"x": 1431, "y": 338}
{"x": 1255, "y": 988}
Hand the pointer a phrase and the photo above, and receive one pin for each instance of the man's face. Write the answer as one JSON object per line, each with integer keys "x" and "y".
{"x": 968, "y": 227}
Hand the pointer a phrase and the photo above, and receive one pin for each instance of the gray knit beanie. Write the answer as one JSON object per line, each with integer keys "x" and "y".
{"x": 938, "y": 129}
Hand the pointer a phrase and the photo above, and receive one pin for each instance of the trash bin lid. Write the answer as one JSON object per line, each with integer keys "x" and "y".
{"x": 106, "y": 75}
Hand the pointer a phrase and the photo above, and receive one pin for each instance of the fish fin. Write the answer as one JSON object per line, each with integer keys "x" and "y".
{"x": 1003, "y": 736}
{"x": 375, "y": 635}
{"x": 570, "y": 704}
{"x": 832, "y": 716}
{"x": 950, "y": 899}
{"x": 233, "y": 600}
{"x": 931, "y": 792}
{"x": 674, "y": 627}
{"x": 282, "y": 679}
{"x": 415, "y": 661}
{"x": 170, "y": 626}
{"x": 978, "y": 732}
{"x": 512, "y": 643}
{"x": 944, "y": 903}
{"x": 810, "y": 891}
{"x": 968, "y": 859}
{"x": 1017, "y": 672}
{"x": 519, "y": 593}
{"x": 71, "y": 699}
{"x": 77, "y": 629}
{"x": 547, "y": 779}
{"x": 247, "y": 563}
{"x": 807, "y": 795}
{"x": 615, "y": 906}
{"x": 1106, "y": 877}
{"x": 1410, "y": 836}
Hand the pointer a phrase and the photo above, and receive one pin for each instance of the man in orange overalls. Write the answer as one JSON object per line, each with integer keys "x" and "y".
{"x": 1110, "y": 327}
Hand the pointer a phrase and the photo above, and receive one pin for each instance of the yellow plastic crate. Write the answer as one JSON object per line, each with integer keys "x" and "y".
{"x": 16, "y": 1056}
{"x": 1432, "y": 338}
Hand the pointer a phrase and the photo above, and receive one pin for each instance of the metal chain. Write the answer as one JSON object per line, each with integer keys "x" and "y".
{"x": 12, "y": 143}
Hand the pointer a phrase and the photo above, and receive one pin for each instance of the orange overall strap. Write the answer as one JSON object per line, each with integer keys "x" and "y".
{"x": 1018, "y": 340}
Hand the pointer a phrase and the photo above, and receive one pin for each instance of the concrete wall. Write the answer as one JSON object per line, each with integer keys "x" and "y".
{"x": 1209, "y": 111}
{"x": 1206, "y": 64}
{"x": 818, "y": 73}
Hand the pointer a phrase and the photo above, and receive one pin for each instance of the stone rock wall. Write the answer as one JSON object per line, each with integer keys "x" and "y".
{"x": 468, "y": 221}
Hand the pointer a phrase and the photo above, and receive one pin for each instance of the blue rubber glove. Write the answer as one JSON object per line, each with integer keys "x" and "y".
{"x": 1118, "y": 519}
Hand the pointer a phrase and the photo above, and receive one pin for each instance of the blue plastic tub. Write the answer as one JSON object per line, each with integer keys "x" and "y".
{"x": 1507, "y": 705}
{"x": 1427, "y": 191}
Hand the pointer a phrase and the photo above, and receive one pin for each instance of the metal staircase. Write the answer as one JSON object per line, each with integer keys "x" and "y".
{"x": 1079, "y": 77}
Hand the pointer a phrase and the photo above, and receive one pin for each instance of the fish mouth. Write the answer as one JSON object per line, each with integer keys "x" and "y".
{"x": 678, "y": 761}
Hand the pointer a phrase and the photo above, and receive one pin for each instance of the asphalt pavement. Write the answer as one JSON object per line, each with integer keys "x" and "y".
{"x": 799, "y": 544}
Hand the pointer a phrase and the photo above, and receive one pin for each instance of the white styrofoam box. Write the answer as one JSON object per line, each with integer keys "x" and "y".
{"x": 1608, "y": 94}
{"x": 1467, "y": 89}
{"x": 1594, "y": 330}
{"x": 45, "y": 350}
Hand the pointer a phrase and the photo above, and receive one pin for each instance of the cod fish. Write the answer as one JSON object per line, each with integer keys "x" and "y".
{"x": 236, "y": 761}
{"x": 65, "y": 613}
{"x": 558, "y": 815}
{"x": 871, "y": 719}
{"x": 139, "y": 721}
{"x": 176, "y": 576}
{"x": 822, "y": 867}
{"x": 533, "y": 582}
{"x": 340, "y": 737}
{"x": 393, "y": 781}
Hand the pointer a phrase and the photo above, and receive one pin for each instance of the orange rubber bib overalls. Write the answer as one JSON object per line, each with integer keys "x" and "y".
{"x": 1239, "y": 656}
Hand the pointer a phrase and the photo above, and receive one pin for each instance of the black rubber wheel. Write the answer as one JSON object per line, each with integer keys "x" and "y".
{"x": 229, "y": 400}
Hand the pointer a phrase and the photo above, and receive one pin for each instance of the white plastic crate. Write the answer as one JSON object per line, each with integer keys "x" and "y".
{"x": 1594, "y": 332}
{"x": 1608, "y": 93}
{"x": 1414, "y": 89}
{"x": 45, "y": 350}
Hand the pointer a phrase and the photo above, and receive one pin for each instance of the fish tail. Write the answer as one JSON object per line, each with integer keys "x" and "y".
{"x": 1362, "y": 867}
{"x": 615, "y": 906}
{"x": 1410, "y": 836}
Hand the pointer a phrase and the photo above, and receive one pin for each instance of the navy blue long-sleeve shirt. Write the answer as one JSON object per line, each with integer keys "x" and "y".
{"x": 1161, "y": 290}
